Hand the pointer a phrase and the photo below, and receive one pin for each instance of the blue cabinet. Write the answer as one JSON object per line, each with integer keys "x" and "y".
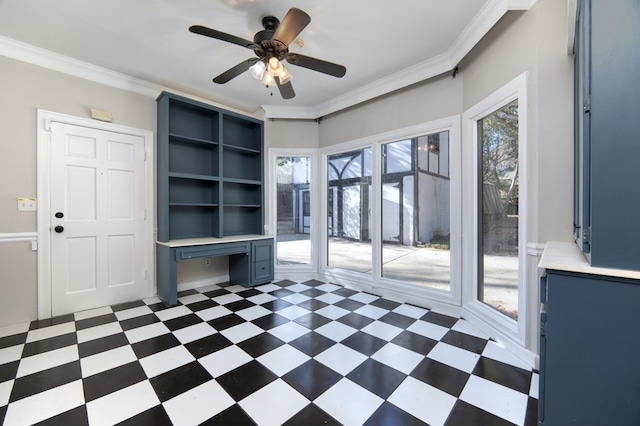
{"x": 607, "y": 132}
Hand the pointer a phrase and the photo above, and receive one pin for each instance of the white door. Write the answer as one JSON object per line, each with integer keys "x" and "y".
{"x": 97, "y": 218}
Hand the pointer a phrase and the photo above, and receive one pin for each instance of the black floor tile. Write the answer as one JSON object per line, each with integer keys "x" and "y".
{"x": 312, "y": 321}
{"x": 3, "y": 413}
{"x": 216, "y": 293}
{"x": 95, "y": 321}
{"x": 439, "y": 319}
{"x": 388, "y": 414}
{"x": 113, "y": 380}
{"x": 280, "y": 293}
{"x": 8, "y": 371}
{"x": 225, "y": 322}
{"x": 260, "y": 344}
{"x": 155, "y": 345}
{"x": 246, "y": 379}
{"x": 355, "y": 320}
{"x": 75, "y": 417}
{"x": 207, "y": 345}
{"x": 35, "y": 325}
{"x": 313, "y": 292}
{"x": 465, "y": 341}
{"x": 141, "y": 321}
{"x": 344, "y": 292}
{"x": 189, "y": 292}
{"x": 203, "y": 304}
{"x": 232, "y": 416}
{"x": 441, "y": 376}
{"x": 102, "y": 344}
{"x": 239, "y": 305}
{"x": 286, "y": 283}
{"x": 503, "y": 374}
{"x": 364, "y": 343}
{"x": 13, "y": 340}
{"x": 387, "y": 304}
{"x": 376, "y": 377}
{"x": 312, "y": 415}
{"x": 348, "y": 304}
{"x": 398, "y": 320}
{"x": 531, "y": 418}
{"x": 464, "y": 414}
{"x": 45, "y": 380}
{"x": 45, "y": 345}
{"x": 311, "y": 379}
{"x": 155, "y": 416}
{"x": 160, "y": 306}
{"x": 270, "y": 321}
{"x": 179, "y": 380}
{"x": 276, "y": 305}
{"x": 312, "y": 304}
{"x": 127, "y": 305}
{"x": 415, "y": 342}
{"x": 182, "y": 322}
{"x": 313, "y": 283}
{"x": 312, "y": 343}
{"x": 249, "y": 293}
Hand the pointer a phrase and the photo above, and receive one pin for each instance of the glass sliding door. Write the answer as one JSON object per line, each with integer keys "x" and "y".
{"x": 349, "y": 211}
{"x": 293, "y": 234}
{"x": 416, "y": 210}
{"x": 498, "y": 207}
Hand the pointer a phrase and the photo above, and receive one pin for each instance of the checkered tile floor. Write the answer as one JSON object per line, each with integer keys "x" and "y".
{"x": 284, "y": 353}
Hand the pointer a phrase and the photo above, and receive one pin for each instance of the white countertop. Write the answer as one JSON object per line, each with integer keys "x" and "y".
{"x": 204, "y": 241}
{"x": 562, "y": 256}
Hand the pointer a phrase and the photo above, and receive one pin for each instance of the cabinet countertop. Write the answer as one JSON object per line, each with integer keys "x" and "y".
{"x": 563, "y": 256}
{"x": 205, "y": 241}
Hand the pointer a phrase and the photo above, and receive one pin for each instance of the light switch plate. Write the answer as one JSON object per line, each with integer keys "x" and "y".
{"x": 27, "y": 204}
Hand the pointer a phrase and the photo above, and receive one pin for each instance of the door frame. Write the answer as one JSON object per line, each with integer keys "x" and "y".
{"x": 45, "y": 118}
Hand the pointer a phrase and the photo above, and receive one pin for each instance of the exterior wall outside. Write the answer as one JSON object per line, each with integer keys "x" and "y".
{"x": 434, "y": 207}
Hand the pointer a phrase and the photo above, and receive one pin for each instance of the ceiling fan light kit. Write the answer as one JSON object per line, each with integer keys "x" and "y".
{"x": 271, "y": 46}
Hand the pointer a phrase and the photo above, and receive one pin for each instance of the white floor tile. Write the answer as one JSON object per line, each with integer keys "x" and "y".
{"x": 296, "y": 298}
{"x": 371, "y": 311}
{"x": 161, "y": 362}
{"x": 329, "y": 298}
{"x": 192, "y": 298}
{"x": 332, "y": 312}
{"x": 496, "y": 399}
{"x": 5, "y": 392}
{"x": 382, "y": 330}
{"x": 235, "y": 288}
{"x": 53, "y": 331}
{"x": 328, "y": 287}
{"x": 133, "y": 313}
{"x": 198, "y": 404}
{"x": 283, "y": 359}
{"x": 466, "y": 327}
{"x": 427, "y": 329}
{"x": 454, "y": 357}
{"x": 10, "y": 330}
{"x": 107, "y": 360}
{"x": 253, "y": 312}
{"x": 341, "y": 358}
{"x": 289, "y": 331}
{"x": 534, "y": 389}
{"x": 213, "y": 313}
{"x": 139, "y": 334}
{"x": 398, "y": 357}
{"x": 241, "y": 332}
{"x": 349, "y": 403}
{"x": 336, "y": 331}
{"x": 410, "y": 311}
{"x": 209, "y": 287}
{"x": 224, "y": 360}
{"x": 98, "y": 331}
{"x": 298, "y": 288}
{"x": 273, "y": 404}
{"x": 292, "y": 312}
{"x": 91, "y": 313}
{"x": 40, "y": 406}
{"x": 364, "y": 297}
{"x": 10, "y": 354}
{"x": 175, "y": 312}
{"x": 261, "y": 299}
{"x": 498, "y": 352}
{"x": 425, "y": 402}
{"x": 194, "y": 332}
{"x": 46, "y": 360}
{"x": 268, "y": 287}
{"x": 118, "y": 406}
{"x": 227, "y": 298}
{"x": 152, "y": 300}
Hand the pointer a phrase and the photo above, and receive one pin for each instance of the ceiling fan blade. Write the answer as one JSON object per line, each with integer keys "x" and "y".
{"x": 199, "y": 29}
{"x": 316, "y": 64}
{"x": 233, "y": 72}
{"x": 292, "y": 24}
{"x": 286, "y": 90}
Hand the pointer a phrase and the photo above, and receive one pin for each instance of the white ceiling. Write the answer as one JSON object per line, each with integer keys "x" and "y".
{"x": 385, "y": 45}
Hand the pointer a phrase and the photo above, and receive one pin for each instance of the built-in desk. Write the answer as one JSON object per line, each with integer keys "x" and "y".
{"x": 250, "y": 260}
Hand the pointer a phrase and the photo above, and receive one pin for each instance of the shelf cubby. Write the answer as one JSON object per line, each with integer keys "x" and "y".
{"x": 193, "y": 222}
{"x": 194, "y": 158}
{"x": 193, "y": 191}
{"x": 239, "y": 194}
{"x": 242, "y": 220}
{"x": 242, "y": 132}
{"x": 190, "y": 120}
{"x": 242, "y": 164}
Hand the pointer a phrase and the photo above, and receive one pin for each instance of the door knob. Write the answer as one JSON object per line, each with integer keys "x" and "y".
{"x": 59, "y": 229}
{"x": 59, "y": 215}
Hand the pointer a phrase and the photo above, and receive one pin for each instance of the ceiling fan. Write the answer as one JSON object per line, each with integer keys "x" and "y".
{"x": 271, "y": 46}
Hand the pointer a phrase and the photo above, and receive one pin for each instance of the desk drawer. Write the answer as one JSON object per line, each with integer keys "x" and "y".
{"x": 211, "y": 250}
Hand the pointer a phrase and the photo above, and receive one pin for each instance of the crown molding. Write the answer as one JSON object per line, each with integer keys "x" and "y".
{"x": 293, "y": 112}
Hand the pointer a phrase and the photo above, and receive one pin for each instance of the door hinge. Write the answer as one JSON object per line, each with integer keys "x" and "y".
{"x": 586, "y": 107}
{"x": 586, "y": 235}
